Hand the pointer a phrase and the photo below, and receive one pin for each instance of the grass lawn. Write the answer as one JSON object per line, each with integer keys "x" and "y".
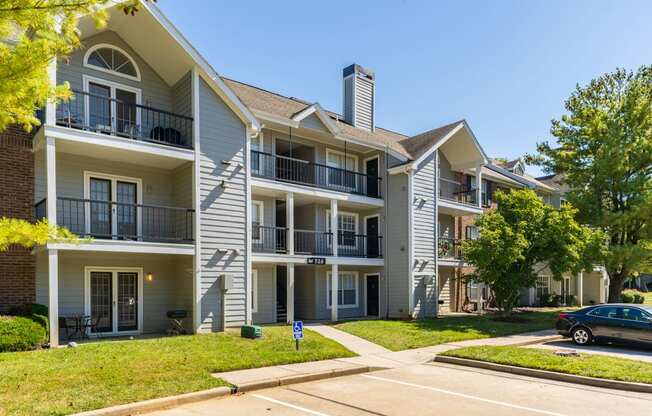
{"x": 599, "y": 366}
{"x": 63, "y": 381}
{"x": 399, "y": 335}
{"x": 648, "y": 298}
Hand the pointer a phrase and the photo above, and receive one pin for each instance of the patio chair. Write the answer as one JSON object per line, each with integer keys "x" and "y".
{"x": 63, "y": 325}
{"x": 90, "y": 325}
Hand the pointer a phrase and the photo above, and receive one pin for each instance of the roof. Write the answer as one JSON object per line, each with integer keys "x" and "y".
{"x": 421, "y": 143}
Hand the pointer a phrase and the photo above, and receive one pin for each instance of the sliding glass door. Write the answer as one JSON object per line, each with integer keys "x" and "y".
{"x": 113, "y": 300}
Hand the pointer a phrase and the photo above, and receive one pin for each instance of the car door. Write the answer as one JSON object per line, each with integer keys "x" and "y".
{"x": 604, "y": 322}
{"x": 637, "y": 325}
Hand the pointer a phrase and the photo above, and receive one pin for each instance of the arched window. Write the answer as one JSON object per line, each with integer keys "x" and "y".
{"x": 111, "y": 59}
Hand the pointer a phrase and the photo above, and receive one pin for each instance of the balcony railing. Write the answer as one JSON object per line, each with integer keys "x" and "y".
{"x": 106, "y": 115}
{"x": 123, "y": 221}
{"x": 287, "y": 169}
{"x": 449, "y": 248}
{"x": 313, "y": 242}
{"x": 457, "y": 192}
{"x": 268, "y": 239}
{"x": 354, "y": 245}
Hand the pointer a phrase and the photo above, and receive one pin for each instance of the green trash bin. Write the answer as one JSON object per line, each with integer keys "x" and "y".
{"x": 251, "y": 331}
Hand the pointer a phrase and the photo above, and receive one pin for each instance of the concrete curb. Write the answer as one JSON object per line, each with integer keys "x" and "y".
{"x": 550, "y": 375}
{"x": 301, "y": 378}
{"x": 157, "y": 404}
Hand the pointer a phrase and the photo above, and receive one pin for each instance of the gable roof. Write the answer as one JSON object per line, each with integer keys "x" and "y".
{"x": 418, "y": 145}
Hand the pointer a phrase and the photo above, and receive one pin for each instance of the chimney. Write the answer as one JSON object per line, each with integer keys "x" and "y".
{"x": 359, "y": 96}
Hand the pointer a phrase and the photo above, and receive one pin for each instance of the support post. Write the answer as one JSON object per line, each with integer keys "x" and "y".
{"x": 580, "y": 289}
{"x": 289, "y": 296}
{"x": 289, "y": 216}
{"x": 53, "y": 296}
{"x": 196, "y": 179}
{"x": 334, "y": 291}
{"x": 51, "y": 179}
{"x": 334, "y": 227}
{"x": 478, "y": 184}
{"x": 51, "y": 106}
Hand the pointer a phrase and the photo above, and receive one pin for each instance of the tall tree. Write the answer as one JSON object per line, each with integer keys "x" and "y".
{"x": 524, "y": 236}
{"x": 32, "y": 34}
{"x": 604, "y": 152}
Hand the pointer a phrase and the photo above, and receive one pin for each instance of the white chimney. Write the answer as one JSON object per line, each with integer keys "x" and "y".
{"x": 359, "y": 96}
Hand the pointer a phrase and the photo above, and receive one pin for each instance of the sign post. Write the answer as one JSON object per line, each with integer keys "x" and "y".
{"x": 297, "y": 332}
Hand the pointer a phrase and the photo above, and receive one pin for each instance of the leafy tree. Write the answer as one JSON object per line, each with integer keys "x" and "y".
{"x": 32, "y": 34}
{"x": 604, "y": 152}
{"x": 20, "y": 232}
{"x": 523, "y": 236}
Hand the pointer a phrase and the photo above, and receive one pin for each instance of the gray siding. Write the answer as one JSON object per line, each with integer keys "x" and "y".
{"x": 424, "y": 221}
{"x": 182, "y": 96}
{"x": 445, "y": 284}
{"x": 223, "y": 220}
{"x": 266, "y": 290}
{"x": 397, "y": 257}
{"x": 321, "y": 294}
{"x": 155, "y": 92}
{"x": 424, "y": 296}
{"x": 445, "y": 170}
{"x": 313, "y": 122}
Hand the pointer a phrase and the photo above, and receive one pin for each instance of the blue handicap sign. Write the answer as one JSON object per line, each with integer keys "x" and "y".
{"x": 297, "y": 330}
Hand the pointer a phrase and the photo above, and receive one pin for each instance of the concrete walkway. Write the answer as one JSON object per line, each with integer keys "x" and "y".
{"x": 371, "y": 357}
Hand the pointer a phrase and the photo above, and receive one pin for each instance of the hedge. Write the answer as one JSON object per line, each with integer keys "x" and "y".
{"x": 19, "y": 333}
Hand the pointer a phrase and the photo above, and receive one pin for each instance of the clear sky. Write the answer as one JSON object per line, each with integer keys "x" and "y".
{"x": 504, "y": 66}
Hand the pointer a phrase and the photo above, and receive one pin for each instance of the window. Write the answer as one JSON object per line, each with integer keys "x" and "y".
{"x": 257, "y": 214}
{"x": 111, "y": 59}
{"x": 112, "y": 107}
{"x": 606, "y": 312}
{"x": 345, "y": 165}
{"x": 472, "y": 232}
{"x": 347, "y": 290}
{"x": 635, "y": 314}
{"x": 543, "y": 286}
{"x": 347, "y": 227}
{"x": 254, "y": 290}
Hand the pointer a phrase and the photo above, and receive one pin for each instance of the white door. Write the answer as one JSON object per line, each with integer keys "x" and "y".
{"x": 114, "y": 300}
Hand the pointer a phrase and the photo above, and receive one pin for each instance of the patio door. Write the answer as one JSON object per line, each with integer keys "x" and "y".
{"x": 112, "y": 210}
{"x": 114, "y": 300}
{"x": 112, "y": 108}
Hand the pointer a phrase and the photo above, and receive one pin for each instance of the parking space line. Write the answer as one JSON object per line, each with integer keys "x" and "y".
{"x": 466, "y": 396}
{"x": 290, "y": 405}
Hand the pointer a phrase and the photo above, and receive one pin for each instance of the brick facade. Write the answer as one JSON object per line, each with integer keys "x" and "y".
{"x": 17, "y": 267}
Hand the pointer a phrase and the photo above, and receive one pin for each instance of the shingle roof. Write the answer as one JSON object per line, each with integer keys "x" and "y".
{"x": 419, "y": 144}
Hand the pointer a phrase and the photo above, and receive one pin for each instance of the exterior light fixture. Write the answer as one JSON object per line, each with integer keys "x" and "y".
{"x": 150, "y": 276}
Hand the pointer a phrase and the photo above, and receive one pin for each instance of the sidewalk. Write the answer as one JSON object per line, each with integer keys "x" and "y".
{"x": 371, "y": 357}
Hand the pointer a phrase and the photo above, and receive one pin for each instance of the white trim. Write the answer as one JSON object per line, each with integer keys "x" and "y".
{"x": 109, "y": 71}
{"x": 300, "y": 259}
{"x": 118, "y": 246}
{"x": 113, "y": 86}
{"x": 410, "y": 213}
{"x": 366, "y": 298}
{"x": 261, "y": 211}
{"x": 356, "y": 279}
{"x": 254, "y": 290}
{"x": 329, "y": 229}
{"x": 336, "y": 151}
{"x": 196, "y": 198}
{"x": 114, "y": 274}
{"x": 114, "y": 191}
{"x": 321, "y": 114}
{"x": 248, "y": 221}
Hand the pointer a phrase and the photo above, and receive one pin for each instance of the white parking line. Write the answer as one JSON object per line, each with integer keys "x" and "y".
{"x": 467, "y": 396}
{"x": 290, "y": 405}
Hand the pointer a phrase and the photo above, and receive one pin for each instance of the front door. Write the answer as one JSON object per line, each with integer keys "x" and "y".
{"x": 113, "y": 300}
{"x": 372, "y": 295}
{"x": 371, "y": 168}
{"x": 373, "y": 242}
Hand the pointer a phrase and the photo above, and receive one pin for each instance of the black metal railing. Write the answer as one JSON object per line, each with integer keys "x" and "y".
{"x": 123, "y": 221}
{"x": 457, "y": 192}
{"x": 106, "y": 115}
{"x": 313, "y": 242}
{"x": 267, "y": 239}
{"x": 303, "y": 172}
{"x": 356, "y": 245}
{"x": 449, "y": 248}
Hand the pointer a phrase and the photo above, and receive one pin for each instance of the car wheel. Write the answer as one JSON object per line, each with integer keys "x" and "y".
{"x": 581, "y": 335}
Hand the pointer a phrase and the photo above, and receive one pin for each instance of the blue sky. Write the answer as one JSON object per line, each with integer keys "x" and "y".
{"x": 505, "y": 66}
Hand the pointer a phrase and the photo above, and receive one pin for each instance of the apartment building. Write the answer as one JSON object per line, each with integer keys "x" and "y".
{"x": 238, "y": 205}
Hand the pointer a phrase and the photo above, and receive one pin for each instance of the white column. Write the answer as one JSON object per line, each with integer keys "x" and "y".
{"x": 53, "y": 296}
{"x": 289, "y": 218}
{"x": 289, "y": 301}
{"x": 580, "y": 288}
{"x": 334, "y": 289}
{"x": 478, "y": 184}
{"x": 50, "y": 106}
{"x": 334, "y": 226}
{"x": 51, "y": 179}
{"x": 196, "y": 284}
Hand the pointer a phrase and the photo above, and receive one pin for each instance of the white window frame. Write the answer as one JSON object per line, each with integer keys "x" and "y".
{"x": 329, "y": 227}
{"x": 345, "y": 155}
{"x": 261, "y": 223}
{"x": 254, "y": 290}
{"x": 114, "y": 196}
{"x": 114, "y": 281}
{"x": 87, "y": 79}
{"x": 109, "y": 71}
{"x": 356, "y": 283}
{"x": 548, "y": 285}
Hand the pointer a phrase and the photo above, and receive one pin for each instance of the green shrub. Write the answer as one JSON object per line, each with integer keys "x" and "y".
{"x": 35, "y": 311}
{"x": 632, "y": 296}
{"x": 19, "y": 333}
{"x": 639, "y": 298}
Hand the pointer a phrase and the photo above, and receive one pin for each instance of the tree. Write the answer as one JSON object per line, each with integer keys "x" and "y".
{"x": 32, "y": 34}
{"x": 523, "y": 236}
{"x": 24, "y": 233}
{"x": 604, "y": 152}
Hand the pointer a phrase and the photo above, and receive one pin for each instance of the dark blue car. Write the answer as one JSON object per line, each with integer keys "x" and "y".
{"x": 609, "y": 323}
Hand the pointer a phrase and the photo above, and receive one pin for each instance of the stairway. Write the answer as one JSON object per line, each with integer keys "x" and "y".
{"x": 281, "y": 312}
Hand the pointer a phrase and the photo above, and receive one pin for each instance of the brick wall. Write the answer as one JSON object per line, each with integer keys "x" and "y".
{"x": 17, "y": 268}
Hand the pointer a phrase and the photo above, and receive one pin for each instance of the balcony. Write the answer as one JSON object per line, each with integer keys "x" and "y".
{"x": 123, "y": 221}
{"x": 449, "y": 248}
{"x": 298, "y": 171}
{"x": 457, "y": 192}
{"x": 267, "y": 239}
{"x": 101, "y": 114}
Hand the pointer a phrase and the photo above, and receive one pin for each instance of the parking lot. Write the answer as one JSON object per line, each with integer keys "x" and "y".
{"x": 428, "y": 389}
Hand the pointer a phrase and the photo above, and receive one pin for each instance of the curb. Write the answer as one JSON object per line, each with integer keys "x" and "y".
{"x": 157, "y": 404}
{"x": 549, "y": 375}
{"x": 300, "y": 378}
